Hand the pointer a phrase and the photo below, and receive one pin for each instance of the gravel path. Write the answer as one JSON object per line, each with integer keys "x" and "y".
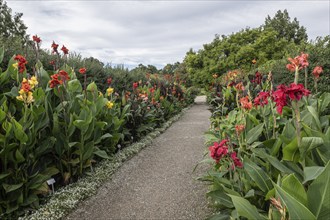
{"x": 159, "y": 182}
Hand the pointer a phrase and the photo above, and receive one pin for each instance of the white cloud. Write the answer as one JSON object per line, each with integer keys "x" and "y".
{"x": 151, "y": 32}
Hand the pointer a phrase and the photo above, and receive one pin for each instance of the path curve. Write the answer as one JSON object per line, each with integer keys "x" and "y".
{"x": 158, "y": 183}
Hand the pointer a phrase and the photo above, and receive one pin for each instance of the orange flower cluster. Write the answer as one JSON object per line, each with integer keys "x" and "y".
{"x": 317, "y": 72}
{"x": 298, "y": 62}
{"x": 25, "y": 93}
{"x": 21, "y": 63}
{"x": 239, "y": 86}
{"x": 246, "y": 103}
{"x": 239, "y": 128}
{"x": 58, "y": 79}
{"x": 82, "y": 71}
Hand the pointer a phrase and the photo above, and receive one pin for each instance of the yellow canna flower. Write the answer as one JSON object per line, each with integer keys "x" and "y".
{"x": 109, "y": 91}
{"x": 110, "y": 105}
{"x": 21, "y": 92}
{"x": 20, "y": 98}
{"x": 26, "y": 97}
{"x": 100, "y": 94}
{"x": 33, "y": 82}
{"x": 15, "y": 65}
{"x": 29, "y": 98}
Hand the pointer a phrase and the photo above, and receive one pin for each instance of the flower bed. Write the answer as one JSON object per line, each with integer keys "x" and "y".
{"x": 54, "y": 126}
{"x": 270, "y": 147}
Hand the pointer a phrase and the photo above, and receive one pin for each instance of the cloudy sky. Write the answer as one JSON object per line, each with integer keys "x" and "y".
{"x": 155, "y": 32}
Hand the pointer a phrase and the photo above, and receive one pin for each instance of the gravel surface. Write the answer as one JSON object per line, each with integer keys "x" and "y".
{"x": 159, "y": 182}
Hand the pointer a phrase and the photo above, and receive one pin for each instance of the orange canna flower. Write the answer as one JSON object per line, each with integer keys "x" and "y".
{"x": 239, "y": 86}
{"x": 317, "y": 71}
{"x": 82, "y": 70}
{"x": 246, "y": 103}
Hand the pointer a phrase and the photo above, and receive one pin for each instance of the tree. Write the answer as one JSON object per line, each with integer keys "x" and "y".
{"x": 12, "y": 32}
{"x": 290, "y": 30}
{"x": 11, "y": 25}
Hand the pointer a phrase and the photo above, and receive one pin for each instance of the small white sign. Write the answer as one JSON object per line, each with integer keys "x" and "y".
{"x": 51, "y": 181}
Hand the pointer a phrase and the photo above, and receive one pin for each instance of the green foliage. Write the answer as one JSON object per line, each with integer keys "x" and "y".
{"x": 287, "y": 29}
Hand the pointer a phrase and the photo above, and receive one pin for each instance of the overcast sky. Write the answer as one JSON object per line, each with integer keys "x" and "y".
{"x": 155, "y": 32}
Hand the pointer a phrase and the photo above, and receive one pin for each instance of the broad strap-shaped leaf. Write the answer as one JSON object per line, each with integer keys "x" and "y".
{"x": 309, "y": 143}
{"x": 324, "y": 101}
{"x": 259, "y": 176}
{"x": 318, "y": 194}
{"x": 272, "y": 160}
{"x": 245, "y": 208}
{"x": 254, "y": 133}
{"x": 291, "y": 151}
{"x": 221, "y": 197}
{"x": 315, "y": 115}
{"x": 11, "y": 187}
{"x": 311, "y": 173}
{"x": 295, "y": 208}
{"x": 295, "y": 188}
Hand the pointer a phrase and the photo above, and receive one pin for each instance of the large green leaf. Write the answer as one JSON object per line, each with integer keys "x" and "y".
{"x": 259, "y": 176}
{"x": 18, "y": 131}
{"x": 318, "y": 194}
{"x": 102, "y": 154}
{"x": 254, "y": 133}
{"x": 315, "y": 115}
{"x": 295, "y": 188}
{"x": 324, "y": 101}
{"x": 309, "y": 143}
{"x": 11, "y": 187}
{"x": 311, "y": 173}
{"x": 296, "y": 209}
{"x": 245, "y": 208}
{"x": 221, "y": 198}
{"x": 291, "y": 151}
{"x": 272, "y": 160}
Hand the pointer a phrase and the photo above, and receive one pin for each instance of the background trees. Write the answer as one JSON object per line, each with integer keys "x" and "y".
{"x": 269, "y": 45}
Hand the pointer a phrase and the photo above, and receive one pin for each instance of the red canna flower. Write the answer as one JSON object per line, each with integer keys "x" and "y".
{"x": 82, "y": 70}
{"x": 284, "y": 94}
{"x": 109, "y": 80}
{"x": 21, "y": 63}
{"x": 236, "y": 160}
{"x": 257, "y": 78}
{"x": 65, "y": 50}
{"x": 135, "y": 85}
{"x": 261, "y": 99}
{"x": 36, "y": 39}
{"x": 64, "y": 75}
{"x": 279, "y": 97}
{"x": 246, "y": 103}
{"x": 52, "y": 62}
{"x": 218, "y": 150}
{"x": 296, "y": 92}
{"x": 317, "y": 71}
{"x": 55, "y": 81}
{"x": 54, "y": 46}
